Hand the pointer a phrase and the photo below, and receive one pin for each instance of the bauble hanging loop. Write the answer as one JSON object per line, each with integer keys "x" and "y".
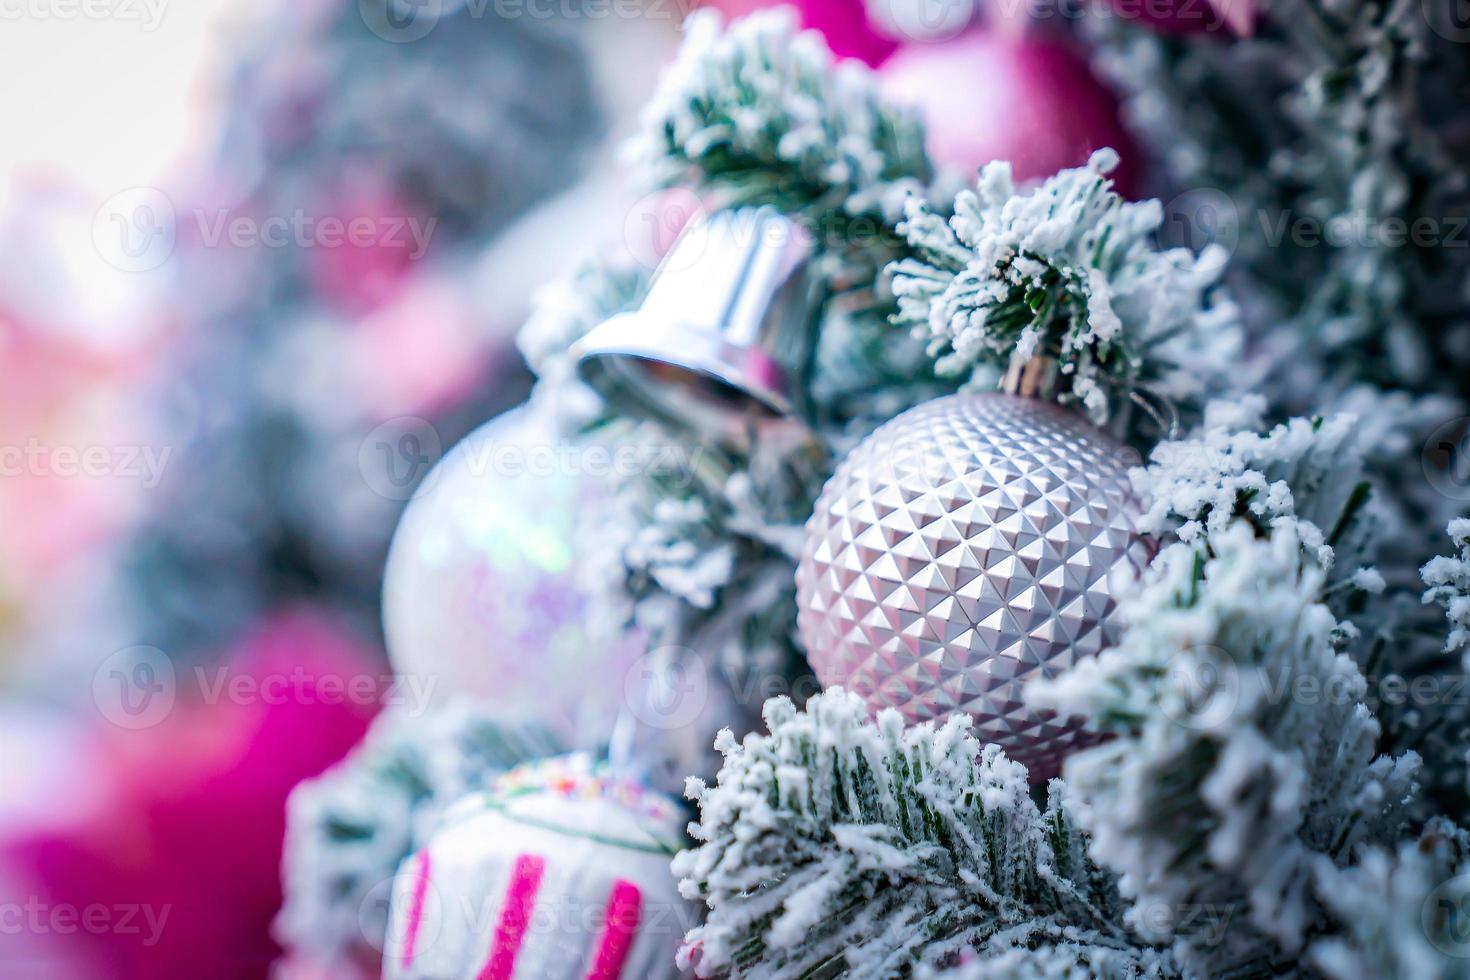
{"x": 723, "y": 334}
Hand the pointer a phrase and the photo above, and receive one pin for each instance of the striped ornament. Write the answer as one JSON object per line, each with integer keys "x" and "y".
{"x": 558, "y": 874}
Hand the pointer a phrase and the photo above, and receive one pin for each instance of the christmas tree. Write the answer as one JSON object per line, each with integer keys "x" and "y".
{"x": 1103, "y": 564}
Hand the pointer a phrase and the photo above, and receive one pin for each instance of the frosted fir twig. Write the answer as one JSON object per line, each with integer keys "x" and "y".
{"x": 1243, "y": 755}
{"x": 759, "y": 112}
{"x": 1389, "y": 437}
{"x": 1400, "y": 913}
{"x": 1448, "y": 581}
{"x": 1304, "y": 475}
{"x": 1067, "y": 270}
{"x": 676, "y": 555}
{"x": 706, "y": 560}
{"x": 348, "y": 830}
{"x": 1064, "y": 961}
{"x": 839, "y": 846}
{"x": 1307, "y": 148}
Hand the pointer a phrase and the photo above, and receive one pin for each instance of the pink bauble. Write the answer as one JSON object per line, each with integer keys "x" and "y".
{"x": 845, "y": 24}
{"x": 990, "y": 95}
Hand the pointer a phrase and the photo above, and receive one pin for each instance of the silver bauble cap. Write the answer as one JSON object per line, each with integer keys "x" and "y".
{"x": 723, "y": 331}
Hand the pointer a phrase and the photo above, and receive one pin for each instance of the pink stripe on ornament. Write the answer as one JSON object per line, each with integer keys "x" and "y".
{"x": 416, "y": 908}
{"x": 619, "y": 929}
{"x": 515, "y": 917}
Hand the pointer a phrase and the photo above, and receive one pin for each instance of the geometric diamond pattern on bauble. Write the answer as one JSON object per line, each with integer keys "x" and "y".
{"x": 964, "y": 548}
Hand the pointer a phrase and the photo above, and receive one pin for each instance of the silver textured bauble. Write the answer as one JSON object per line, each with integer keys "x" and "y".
{"x": 963, "y": 549}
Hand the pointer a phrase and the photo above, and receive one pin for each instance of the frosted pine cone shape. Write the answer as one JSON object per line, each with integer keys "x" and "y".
{"x": 963, "y": 549}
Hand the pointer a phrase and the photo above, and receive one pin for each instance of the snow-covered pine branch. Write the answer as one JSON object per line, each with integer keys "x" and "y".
{"x": 1242, "y": 757}
{"x": 1448, "y": 582}
{"x": 759, "y": 113}
{"x": 756, "y": 112}
{"x": 1400, "y": 912}
{"x": 1070, "y": 270}
{"x": 565, "y": 309}
{"x": 1304, "y": 475}
{"x": 839, "y": 846}
{"x": 1063, "y": 961}
{"x": 1313, "y": 149}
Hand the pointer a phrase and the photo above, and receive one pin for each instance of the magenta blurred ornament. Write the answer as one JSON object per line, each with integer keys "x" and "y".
{"x": 994, "y": 95}
{"x": 183, "y": 822}
{"x": 1190, "y": 16}
{"x": 364, "y": 245}
{"x": 845, "y": 25}
{"x": 486, "y": 592}
{"x": 963, "y": 549}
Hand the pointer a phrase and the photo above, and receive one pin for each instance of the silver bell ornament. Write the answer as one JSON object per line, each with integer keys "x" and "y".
{"x": 966, "y": 547}
{"x": 722, "y": 337}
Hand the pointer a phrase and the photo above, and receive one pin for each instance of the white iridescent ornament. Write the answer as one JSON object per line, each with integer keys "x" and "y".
{"x": 964, "y": 548}
{"x": 561, "y": 872}
{"x": 482, "y": 594}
